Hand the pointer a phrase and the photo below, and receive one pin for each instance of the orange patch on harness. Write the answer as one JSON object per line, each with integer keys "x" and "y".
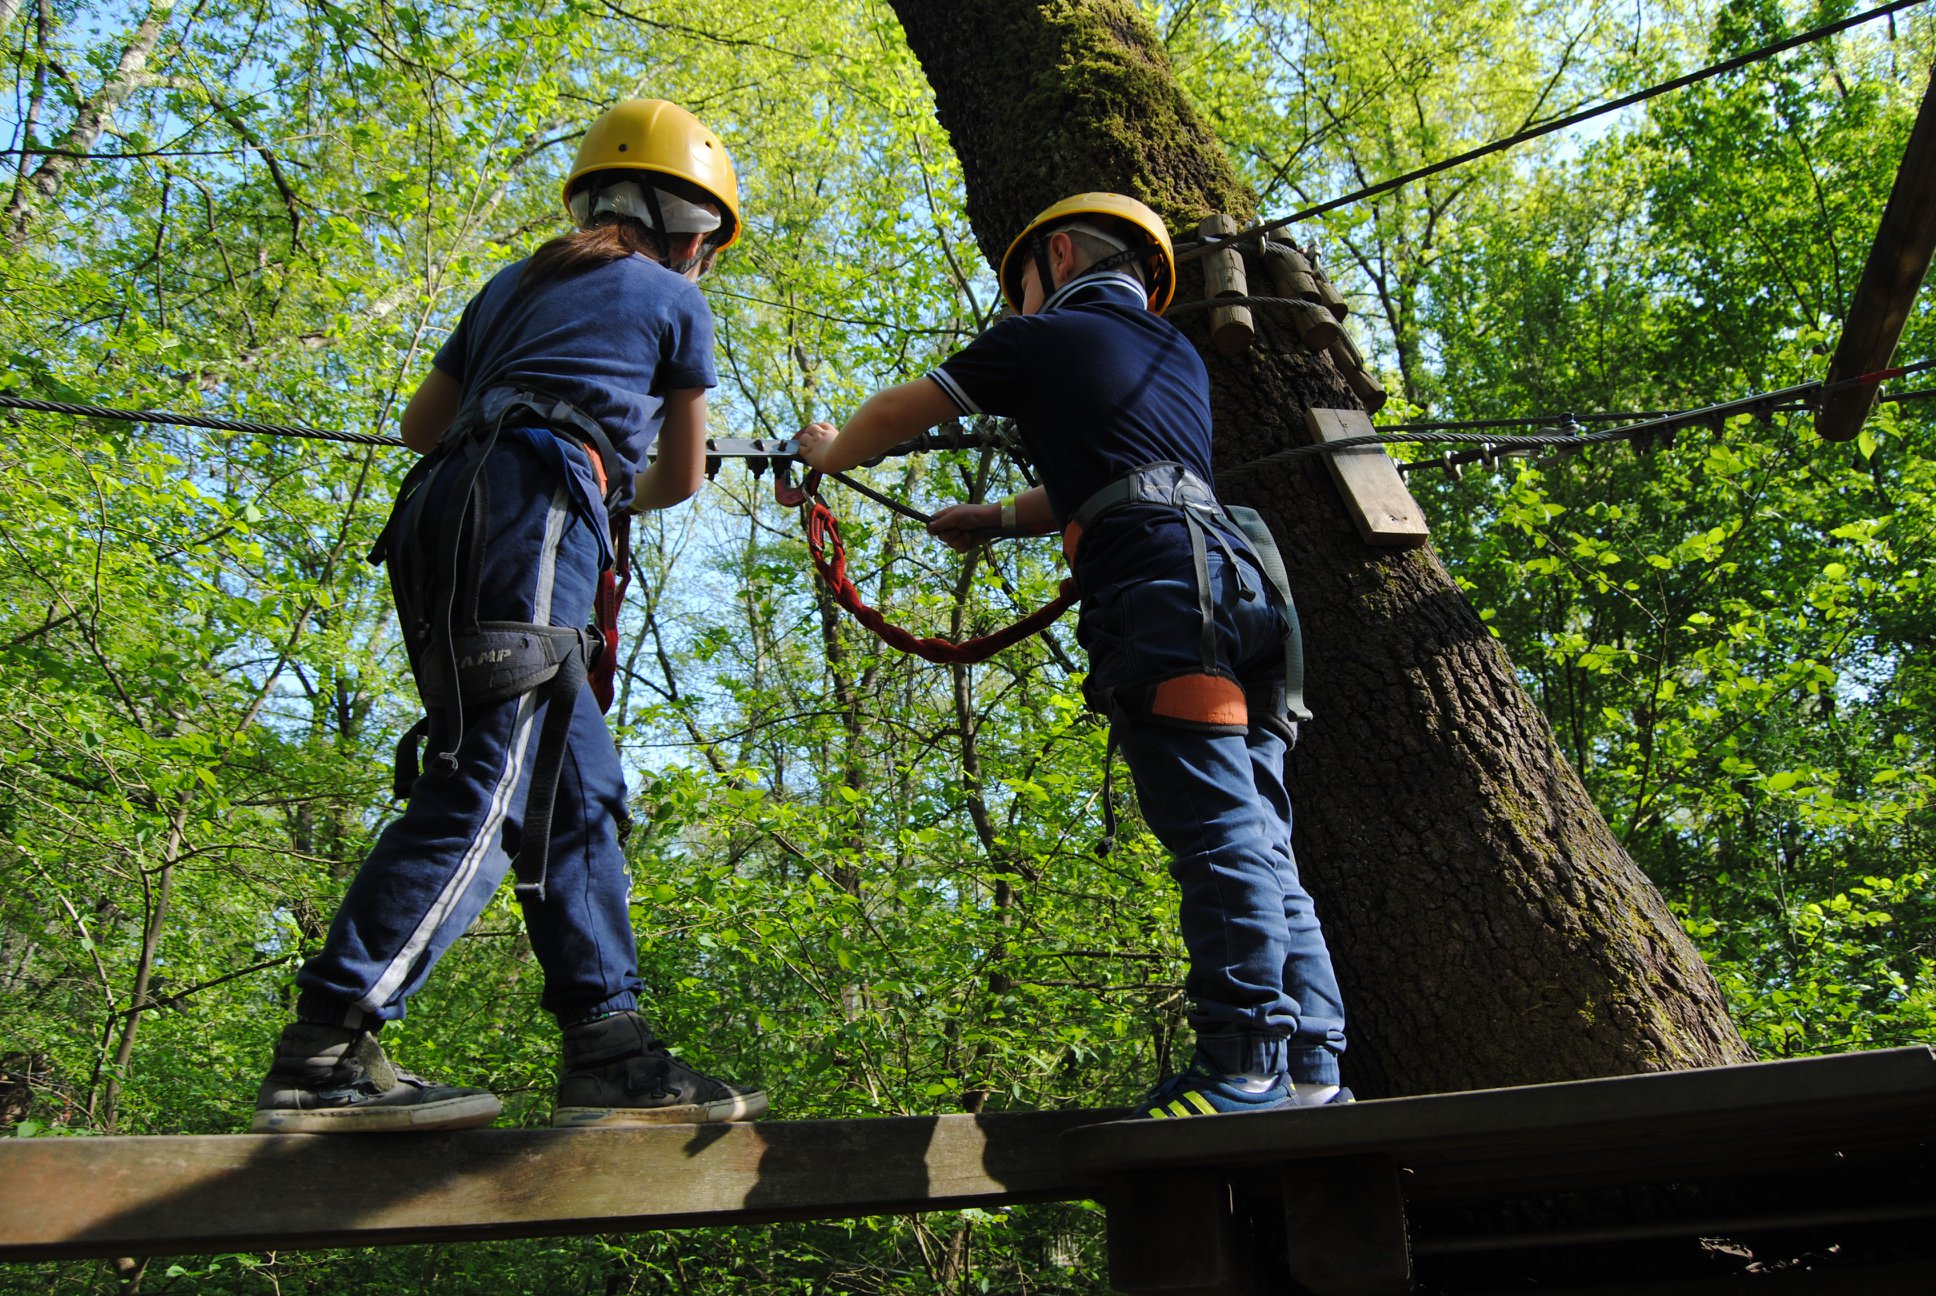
{"x": 1202, "y": 699}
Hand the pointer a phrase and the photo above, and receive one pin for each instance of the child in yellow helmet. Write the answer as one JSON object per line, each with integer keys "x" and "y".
{"x": 535, "y": 421}
{"x": 1185, "y": 632}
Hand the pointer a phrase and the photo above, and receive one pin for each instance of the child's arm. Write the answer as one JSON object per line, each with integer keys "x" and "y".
{"x": 432, "y": 406}
{"x": 884, "y": 420}
{"x": 680, "y": 468}
{"x": 963, "y": 526}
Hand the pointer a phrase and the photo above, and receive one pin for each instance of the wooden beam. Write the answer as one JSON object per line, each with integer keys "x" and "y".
{"x": 71, "y": 1197}
{"x": 1791, "y": 1115}
{"x": 1898, "y": 260}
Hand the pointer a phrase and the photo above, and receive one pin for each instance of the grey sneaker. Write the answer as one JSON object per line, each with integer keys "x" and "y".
{"x": 333, "y": 1080}
{"x": 616, "y": 1073}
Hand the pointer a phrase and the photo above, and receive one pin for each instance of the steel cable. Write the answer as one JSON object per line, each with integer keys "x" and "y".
{"x": 1191, "y": 249}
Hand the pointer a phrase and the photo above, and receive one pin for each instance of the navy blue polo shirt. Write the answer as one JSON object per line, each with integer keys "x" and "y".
{"x": 1096, "y": 383}
{"x": 612, "y": 340}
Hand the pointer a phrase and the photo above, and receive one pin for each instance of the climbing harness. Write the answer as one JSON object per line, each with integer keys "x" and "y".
{"x": 1205, "y": 700}
{"x": 460, "y": 660}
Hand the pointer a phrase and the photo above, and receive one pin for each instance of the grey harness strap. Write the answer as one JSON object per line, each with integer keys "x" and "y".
{"x": 458, "y": 659}
{"x": 1173, "y": 486}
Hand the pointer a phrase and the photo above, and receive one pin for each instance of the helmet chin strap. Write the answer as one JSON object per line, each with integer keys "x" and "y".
{"x": 665, "y": 236}
{"x": 654, "y": 218}
{"x": 1042, "y": 271}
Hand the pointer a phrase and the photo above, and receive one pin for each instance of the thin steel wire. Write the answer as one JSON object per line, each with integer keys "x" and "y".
{"x": 1802, "y": 395}
{"x": 210, "y": 421}
{"x": 1189, "y": 250}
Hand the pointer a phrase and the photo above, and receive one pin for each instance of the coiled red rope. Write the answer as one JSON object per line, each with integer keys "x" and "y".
{"x": 830, "y": 560}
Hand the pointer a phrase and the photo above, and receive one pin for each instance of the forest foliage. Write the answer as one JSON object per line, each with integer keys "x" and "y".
{"x": 868, "y": 882}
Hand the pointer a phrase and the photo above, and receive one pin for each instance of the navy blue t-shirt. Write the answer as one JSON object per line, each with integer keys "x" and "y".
{"x": 1096, "y": 384}
{"x": 612, "y": 340}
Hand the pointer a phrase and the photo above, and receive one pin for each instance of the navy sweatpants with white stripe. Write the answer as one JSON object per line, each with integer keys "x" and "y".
{"x": 434, "y": 869}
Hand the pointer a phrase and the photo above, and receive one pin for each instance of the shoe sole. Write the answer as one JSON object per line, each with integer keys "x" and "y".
{"x": 745, "y": 1107}
{"x": 466, "y": 1112}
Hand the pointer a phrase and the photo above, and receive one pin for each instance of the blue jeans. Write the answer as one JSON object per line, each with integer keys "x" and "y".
{"x": 1263, "y": 994}
{"x": 434, "y": 869}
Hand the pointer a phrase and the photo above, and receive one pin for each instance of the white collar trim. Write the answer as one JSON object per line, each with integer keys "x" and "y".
{"x": 1108, "y": 278}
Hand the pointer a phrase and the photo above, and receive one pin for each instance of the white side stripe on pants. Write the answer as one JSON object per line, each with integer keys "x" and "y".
{"x": 486, "y": 839}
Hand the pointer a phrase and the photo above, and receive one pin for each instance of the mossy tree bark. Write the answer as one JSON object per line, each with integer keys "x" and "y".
{"x": 1487, "y": 926}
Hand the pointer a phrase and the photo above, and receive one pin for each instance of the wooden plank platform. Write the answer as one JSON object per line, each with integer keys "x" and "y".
{"x": 1630, "y": 1128}
{"x": 1357, "y": 1200}
{"x": 1828, "y": 1159}
{"x": 76, "y": 1197}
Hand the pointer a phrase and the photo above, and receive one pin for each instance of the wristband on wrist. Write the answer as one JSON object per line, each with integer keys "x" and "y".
{"x": 1009, "y": 525}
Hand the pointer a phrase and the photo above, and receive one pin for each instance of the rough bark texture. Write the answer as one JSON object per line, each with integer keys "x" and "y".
{"x": 1488, "y": 928}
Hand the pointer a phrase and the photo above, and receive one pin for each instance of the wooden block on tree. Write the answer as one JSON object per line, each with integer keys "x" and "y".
{"x": 1231, "y": 327}
{"x": 1384, "y": 511}
{"x": 1357, "y": 374}
{"x": 1328, "y": 292}
{"x": 1291, "y": 275}
{"x": 1344, "y": 1227}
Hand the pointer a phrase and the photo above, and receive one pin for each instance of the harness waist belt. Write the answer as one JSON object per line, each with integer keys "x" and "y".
{"x": 1157, "y": 483}
{"x": 498, "y": 660}
{"x": 1171, "y": 485}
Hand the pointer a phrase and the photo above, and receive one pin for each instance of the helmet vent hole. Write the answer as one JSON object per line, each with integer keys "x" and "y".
{"x": 623, "y": 147}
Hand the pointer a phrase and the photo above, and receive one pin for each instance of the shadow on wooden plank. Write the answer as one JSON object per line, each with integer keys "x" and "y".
{"x": 79, "y": 1197}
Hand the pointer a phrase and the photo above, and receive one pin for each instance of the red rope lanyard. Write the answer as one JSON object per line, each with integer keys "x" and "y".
{"x": 830, "y": 560}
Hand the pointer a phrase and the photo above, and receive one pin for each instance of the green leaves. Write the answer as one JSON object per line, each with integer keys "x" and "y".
{"x": 868, "y": 882}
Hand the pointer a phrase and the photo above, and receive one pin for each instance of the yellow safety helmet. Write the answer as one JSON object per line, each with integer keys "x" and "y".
{"x": 654, "y": 135}
{"x": 1158, "y": 256}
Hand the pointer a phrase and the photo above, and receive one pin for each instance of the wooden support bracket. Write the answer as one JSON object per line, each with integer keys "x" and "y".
{"x": 1231, "y": 327}
{"x": 1172, "y": 1234}
{"x": 1383, "y": 510}
{"x": 1344, "y": 1226}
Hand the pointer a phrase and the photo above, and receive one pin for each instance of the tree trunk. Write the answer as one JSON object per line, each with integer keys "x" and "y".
{"x": 1487, "y": 927}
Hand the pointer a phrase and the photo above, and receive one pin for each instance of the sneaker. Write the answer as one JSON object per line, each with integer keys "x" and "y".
{"x": 617, "y": 1073}
{"x": 334, "y": 1080}
{"x": 1315, "y": 1095}
{"x": 1204, "y": 1091}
